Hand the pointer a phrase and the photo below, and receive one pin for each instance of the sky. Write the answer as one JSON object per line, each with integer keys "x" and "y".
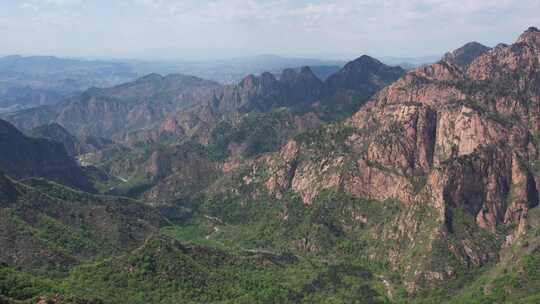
{"x": 211, "y": 29}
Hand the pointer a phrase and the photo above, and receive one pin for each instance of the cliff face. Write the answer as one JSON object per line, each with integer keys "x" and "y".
{"x": 451, "y": 140}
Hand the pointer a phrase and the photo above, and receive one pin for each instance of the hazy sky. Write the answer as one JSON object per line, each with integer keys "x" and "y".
{"x": 228, "y": 28}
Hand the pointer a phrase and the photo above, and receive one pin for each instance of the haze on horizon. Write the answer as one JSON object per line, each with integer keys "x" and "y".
{"x": 203, "y": 29}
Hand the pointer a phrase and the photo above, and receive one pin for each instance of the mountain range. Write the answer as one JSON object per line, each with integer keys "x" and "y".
{"x": 140, "y": 105}
{"x": 27, "y": 82}
{"x": 372, "y": 185}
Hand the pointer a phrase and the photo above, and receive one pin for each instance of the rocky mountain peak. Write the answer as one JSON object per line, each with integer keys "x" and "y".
{"x": 252, "y": 82}
{"x": 151, "y": 78}
{"x": 288, "y": 74}
{"x": 268, "y": 78}
{"x": 304, "y": 75}
{"x": 458, "y": 141}
{"x": 531, "y": 36}
{"x": 307, "y": 73}
{"x": 305, "y": 70}
{"x": 364, "y": 72}
{"x": 500, "y": 45}
{"x": 481, "y": 111}
{"x": 363, "y": 62}
{"x": 463, "y": 56}
{"x": 248, "y": 81}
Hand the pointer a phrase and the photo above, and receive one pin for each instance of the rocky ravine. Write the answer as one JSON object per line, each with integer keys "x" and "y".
{"x": 458, "y": 142}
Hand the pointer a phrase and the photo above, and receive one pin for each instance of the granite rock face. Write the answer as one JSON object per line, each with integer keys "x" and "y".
{"x": 446, "y": 137}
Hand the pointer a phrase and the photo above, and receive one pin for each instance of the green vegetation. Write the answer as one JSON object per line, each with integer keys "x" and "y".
{"x": 232, "y": 249}
{"x": 163, "y": 271}
{"x": 19, "y": 285}
{"x": 257, "y": 132}
{"x": 228, "y": 221}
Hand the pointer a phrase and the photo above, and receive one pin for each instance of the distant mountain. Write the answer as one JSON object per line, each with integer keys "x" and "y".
{"x": 145, "y": 103}
{"x": 25, "y": 157}
{"x": 365, "y": 74}
{"x": 120, "y": 109}
{"x": 277, "y": 62}
{"x": 54, "y": 66}
{"x": 229, "y": 71}
{"x": 265, "y": 92}
{"x": 409, "y": 62}
{"x": 39, "y": 80}
{"x": 321, "y": 71}
{"x": 27, "y": 82}
{"x": 464, "y": 55}
{"x": 301, "y": 88}
{"x": 255, "y": 116}
{"x": 324, "y": 71}
{"x": 15, "y": 97}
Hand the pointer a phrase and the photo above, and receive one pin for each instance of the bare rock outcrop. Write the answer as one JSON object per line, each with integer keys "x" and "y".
{"x": 449, "y": 138}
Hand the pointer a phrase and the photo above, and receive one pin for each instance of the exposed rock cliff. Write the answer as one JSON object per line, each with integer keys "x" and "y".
{"x": 462, "y": 143}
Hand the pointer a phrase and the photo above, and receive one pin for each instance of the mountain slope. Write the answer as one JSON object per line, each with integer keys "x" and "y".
{"x": 242, "y": 121}
{"x": 24, "y": 157}
{"x": 7, "y": 190}
{"x": 457, "y": 148}
{"x": 57, "y": 133}
{"x": 120, "y": 109}
{"x": 75, "y": 146}
{"x": 46, "y": 225}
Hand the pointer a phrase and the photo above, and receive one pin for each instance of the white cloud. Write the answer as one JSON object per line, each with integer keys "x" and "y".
{"x": 389, "y": 27}
{"x": 40, "y": 4}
